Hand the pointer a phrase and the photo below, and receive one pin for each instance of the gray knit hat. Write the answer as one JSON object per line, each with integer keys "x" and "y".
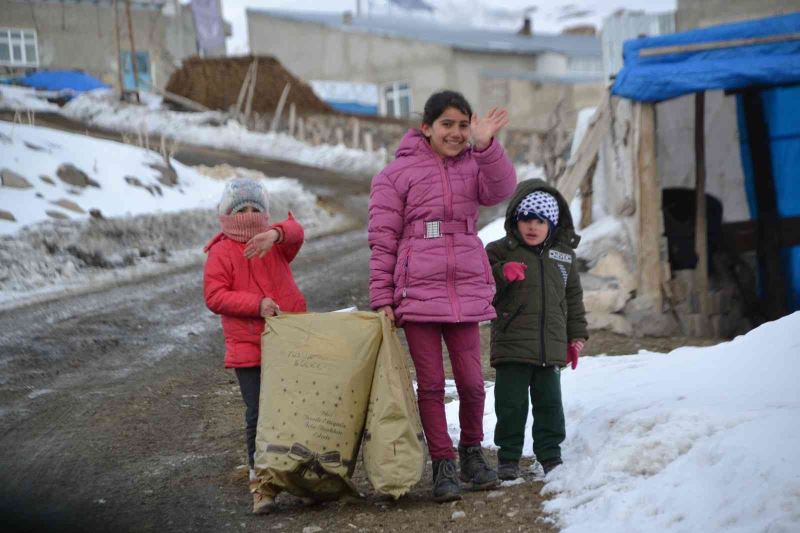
{"x": 243, "y": 192}
{"x": 538, "y": 204}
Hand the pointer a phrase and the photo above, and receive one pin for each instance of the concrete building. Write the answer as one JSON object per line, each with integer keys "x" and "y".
{"x": 408, "y": 60}
{"x": 80, "y": 34}
{"x": 693, "y": 14}
{"x": 625, "y": 24}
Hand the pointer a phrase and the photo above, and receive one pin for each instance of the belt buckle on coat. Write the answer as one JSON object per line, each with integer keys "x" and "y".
{"x": 433, "y": 229}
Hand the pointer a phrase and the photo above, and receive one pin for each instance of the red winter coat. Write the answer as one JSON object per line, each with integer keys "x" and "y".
{"x": 443, "y": 279}
{"x": 234, "y": 287}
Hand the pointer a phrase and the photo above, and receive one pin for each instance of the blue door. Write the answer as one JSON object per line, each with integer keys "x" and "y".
{"x": 143, "y": 66}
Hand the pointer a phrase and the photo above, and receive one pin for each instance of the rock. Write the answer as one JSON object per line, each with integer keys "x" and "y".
{"x": 58, "y": 215}
{"x": 168, "y": 178}
{"x": 39, "y": 195}
{"x": 68, "y": 269}
{"x": 311, "y": 529}
{"x": 70, "y": 205}
{"x": 479, "y": 503}
{"x": 494, "y": 494}
{"x": 47, "y": 179}
{"x": 609, "y": 321}
{"x": 458, "y": 515}
{"x": 34, "y": 147}
{"x": 648, "y": 321}
{"x": 72, "y": 175}
{"x": 5, "y": 215}
{"x": 512, "y": 514}
{"x": 96, "y": 213}
{"x": 612, "y": 265}
{"x": 13, "y": 180}
{"x": 132, "y": 180}
{"x": 602, "y": 295}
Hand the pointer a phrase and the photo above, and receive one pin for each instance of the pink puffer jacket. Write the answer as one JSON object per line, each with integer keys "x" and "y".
{"x": 440, "y": 279}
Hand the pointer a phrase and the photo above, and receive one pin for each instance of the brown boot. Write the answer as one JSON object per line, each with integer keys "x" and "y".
{"x": 263, "y": 497}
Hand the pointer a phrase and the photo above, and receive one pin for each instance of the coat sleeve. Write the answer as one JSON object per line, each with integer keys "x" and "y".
{"x": 497, "y": 259}
{"x": 384, "y": 230}
{"x": 497, "y": 178}
{"x": 576, "y": 313}
{"x": 292, "y": 237}
{"x": 218, "y": 289}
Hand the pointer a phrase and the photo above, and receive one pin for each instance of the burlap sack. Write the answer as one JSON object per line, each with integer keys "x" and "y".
{"x": 393, "y": 450}
{"x": 316, "y": 375}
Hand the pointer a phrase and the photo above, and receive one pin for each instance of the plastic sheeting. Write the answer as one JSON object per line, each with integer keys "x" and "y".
{"x": 664, "y": 76}
{"x": 60, "y": 80}
{"x": 782, "y": 113}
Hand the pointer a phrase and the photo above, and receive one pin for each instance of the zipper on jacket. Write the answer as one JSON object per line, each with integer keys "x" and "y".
{"x": 544, "y": 302}
{"x": 405, "y": 274}
{"x": 448, "y": 240}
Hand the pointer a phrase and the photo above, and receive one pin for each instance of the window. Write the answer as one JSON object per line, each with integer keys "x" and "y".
{"x": 18, "y": 47}
{"x": 397, "y": 99}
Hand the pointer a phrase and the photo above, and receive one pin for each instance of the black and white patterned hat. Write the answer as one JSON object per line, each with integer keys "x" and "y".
{"x": 538, "y": 204}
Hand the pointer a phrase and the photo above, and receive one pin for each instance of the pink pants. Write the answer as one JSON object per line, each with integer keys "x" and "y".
{"x": 464, "y": 345}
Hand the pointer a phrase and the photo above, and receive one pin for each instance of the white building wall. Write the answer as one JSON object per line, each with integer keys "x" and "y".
{"x": 625, "y": 25}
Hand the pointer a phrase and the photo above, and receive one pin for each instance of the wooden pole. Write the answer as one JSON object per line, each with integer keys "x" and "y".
{"x": 292, "y": 118}
{"x": 133, "y": 49}
{"x": 770, "y": 231}
{"x": 301, "y": 129}
{"x": 242, "y": 92}
{"x": 250, "y": 92}
{"x": 279, "y": 110}
{"x": 649, "y": 211}
{"x": 368, "y": 141}
{"x": 119, "y": 52}
{"x": 701, "y": 299}
{"x": 356, "y": 133}
{"x": 587, "y": 194}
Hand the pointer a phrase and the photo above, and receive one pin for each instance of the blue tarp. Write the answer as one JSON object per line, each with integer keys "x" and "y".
{"x": 782, "y": 114}
{"x": 59, "y": 80}
{"x": 665, "y": 76}
{"x": 353, "y": 107}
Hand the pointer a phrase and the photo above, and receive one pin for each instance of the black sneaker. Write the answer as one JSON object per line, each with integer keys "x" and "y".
{"x": 475, "y": 468}
{"x": 507, "y": 469}
{"x": 550, "y": 464}
{"x": 445, "y": 484}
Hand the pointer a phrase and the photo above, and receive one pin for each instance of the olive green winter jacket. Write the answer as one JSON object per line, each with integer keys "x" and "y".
{"x": 537, "y": 316}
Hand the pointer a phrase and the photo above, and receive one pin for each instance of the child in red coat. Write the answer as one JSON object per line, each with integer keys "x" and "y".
{"x": 247, "y": 278}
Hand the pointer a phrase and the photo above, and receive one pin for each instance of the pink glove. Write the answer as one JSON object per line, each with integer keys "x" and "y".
{"x": 573, "y": 351}
{"x": 514, "y": 271}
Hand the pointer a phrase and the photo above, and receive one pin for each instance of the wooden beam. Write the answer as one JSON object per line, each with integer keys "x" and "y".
{"x": 650, "y": 223}
{"x": 243, "y": 91}
{"x": 587, "y": 195}
{"x": 586, "y": 154}
{"x": 181, "y": 100}
{"x": 133, "y": 49}
{"x": 119, "y": 52}
{"x": 276, "y": 119}
{"x": 701, "y": 296}
{"x": 768, "y": 221}
{"x": 716, "y": 45}
{"x": 248, "y": 108}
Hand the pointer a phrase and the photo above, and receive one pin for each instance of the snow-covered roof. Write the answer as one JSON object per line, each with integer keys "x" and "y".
{"x": 458, "y": 37}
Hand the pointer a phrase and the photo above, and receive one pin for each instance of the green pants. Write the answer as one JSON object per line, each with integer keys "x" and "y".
{"x": 511, "y": 388}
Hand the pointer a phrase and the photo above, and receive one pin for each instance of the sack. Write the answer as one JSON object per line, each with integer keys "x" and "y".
{"x": 394, "y": 457}
{"x": 316, "y": 376}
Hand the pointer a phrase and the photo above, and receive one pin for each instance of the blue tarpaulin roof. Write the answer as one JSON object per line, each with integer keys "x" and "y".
{"x": 59, "y": 80}
{"x": 763, "y": 52}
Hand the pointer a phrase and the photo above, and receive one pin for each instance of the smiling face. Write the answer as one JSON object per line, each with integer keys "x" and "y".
{"x": 449, "y": 133}
{"x": 533, "y": 231}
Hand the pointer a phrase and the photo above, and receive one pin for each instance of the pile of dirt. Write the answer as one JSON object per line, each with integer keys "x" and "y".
{"x": 215, "y": 82}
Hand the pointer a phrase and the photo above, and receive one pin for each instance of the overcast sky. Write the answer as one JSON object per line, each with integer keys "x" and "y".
{"x": 550, "y": 15}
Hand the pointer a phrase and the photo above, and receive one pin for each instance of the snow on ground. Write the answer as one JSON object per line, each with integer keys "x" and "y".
{"x": 101, "y": 108}
{"x": 24, "y": 99}
{"x": 152, "y": 221}
{"x": 700, "y": 439}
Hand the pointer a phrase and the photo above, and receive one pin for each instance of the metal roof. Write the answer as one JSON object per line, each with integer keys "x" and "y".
{"x": 454, "y": 36}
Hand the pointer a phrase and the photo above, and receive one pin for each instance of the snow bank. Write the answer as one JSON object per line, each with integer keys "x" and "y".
{"x": 100, "y": 108}
{"x": 24, "y": 99}
{"x": 700, "y": 439}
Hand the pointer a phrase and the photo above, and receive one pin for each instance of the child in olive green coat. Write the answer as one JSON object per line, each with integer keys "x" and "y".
{"x": 540, "y": 325}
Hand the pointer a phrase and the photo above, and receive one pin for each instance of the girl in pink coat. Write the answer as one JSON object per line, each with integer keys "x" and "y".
{"x": 429, "y": 271}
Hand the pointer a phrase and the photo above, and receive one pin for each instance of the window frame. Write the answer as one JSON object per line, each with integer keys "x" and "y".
{"x": 395, "y": 91}
{"x": 23, "y": 41}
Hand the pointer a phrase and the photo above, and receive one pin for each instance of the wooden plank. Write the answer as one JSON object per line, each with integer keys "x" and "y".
{"x": 587, "y": 195}
{"x": 769, "y": 228}
{"x": 649, "y": 260}
{"x": 279, "y": 109}
{"x": 133, "y": 50}
{"x": 701, "y": 224}
{"x": 119, "y": 51}
{"x": 586, "y": 155}
{"x": 716, "y": 45}
{"x": 243, "y": 91}
{"x": 248, "y": 108}
{"x": 743, "y": 236}
{"x": 181, "y": 100}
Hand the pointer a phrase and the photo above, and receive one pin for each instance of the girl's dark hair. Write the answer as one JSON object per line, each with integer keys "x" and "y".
{"x": 439, "y": 102}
